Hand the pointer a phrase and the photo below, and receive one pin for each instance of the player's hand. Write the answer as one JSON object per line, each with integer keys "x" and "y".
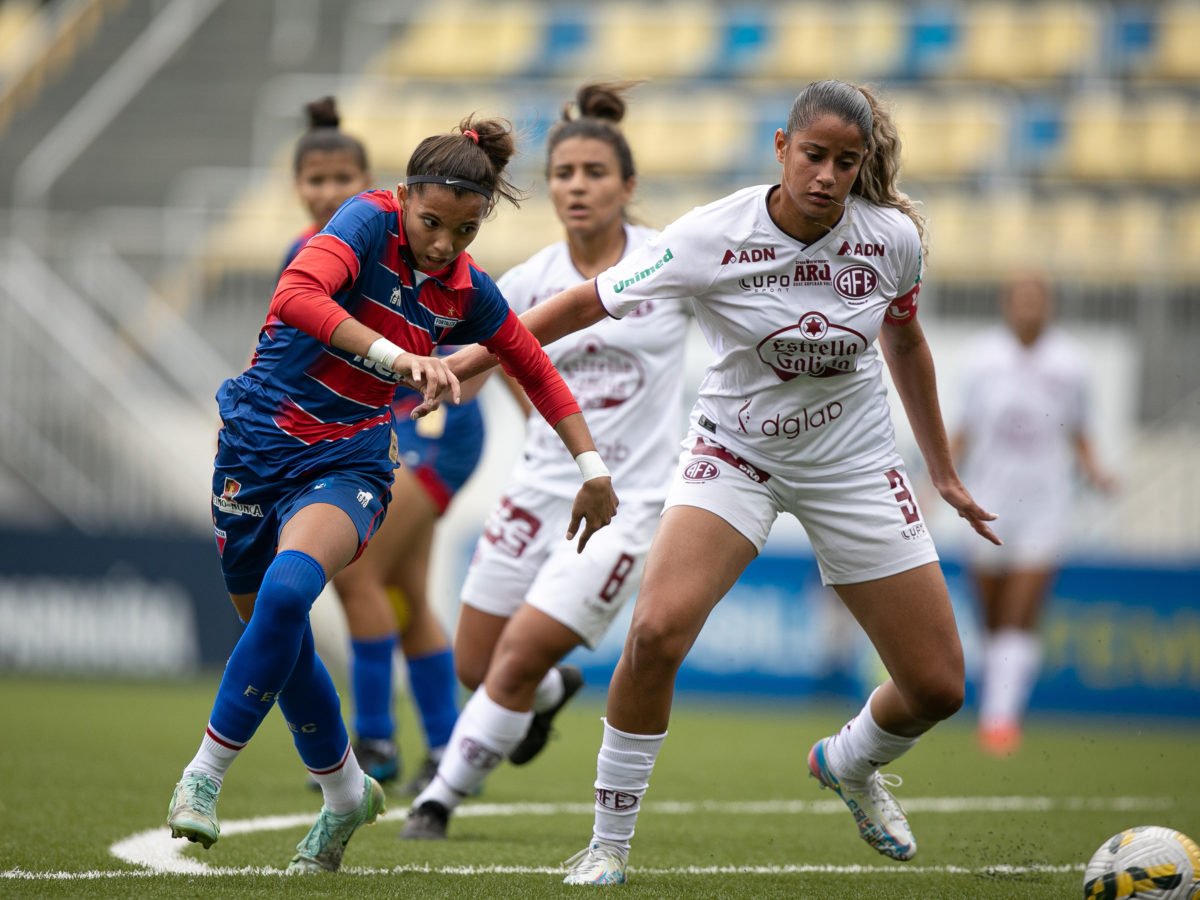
{"x": 429, "y": 375}
{"x": 594, "y": 507}
{"x": 957, "y": 496}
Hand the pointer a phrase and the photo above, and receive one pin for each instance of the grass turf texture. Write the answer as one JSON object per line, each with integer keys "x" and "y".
{"x": 89, "y": 763}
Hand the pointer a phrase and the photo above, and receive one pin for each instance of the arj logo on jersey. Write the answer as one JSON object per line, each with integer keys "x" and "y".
{"x": 814, "y": 346}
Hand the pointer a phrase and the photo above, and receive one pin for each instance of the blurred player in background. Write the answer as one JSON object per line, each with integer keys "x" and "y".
{"x": 1024, "y": 427}
{"x": 389, "y": 582}
{"x": 528, "y": 599}
{"x": 793, "y": 283}
{"x": 306, "y": 452}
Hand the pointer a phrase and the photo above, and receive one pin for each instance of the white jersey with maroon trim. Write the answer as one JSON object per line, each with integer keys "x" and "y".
{"x": 626, "y": 374}
{"x": 1022, "y": 409}
{"x": 795, "y": 378}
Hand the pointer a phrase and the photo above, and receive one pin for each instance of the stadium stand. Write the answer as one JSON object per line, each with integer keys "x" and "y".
{"x": 1048, "y": 132}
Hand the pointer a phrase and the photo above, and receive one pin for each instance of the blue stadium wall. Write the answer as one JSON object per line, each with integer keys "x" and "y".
{"x": 1119, "y": 637}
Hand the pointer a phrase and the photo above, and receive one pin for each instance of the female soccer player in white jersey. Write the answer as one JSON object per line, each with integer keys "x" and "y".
{"x": 529, "y": 598}
{"x": 1024, "y": 427}
{"x": 793, "y": 283}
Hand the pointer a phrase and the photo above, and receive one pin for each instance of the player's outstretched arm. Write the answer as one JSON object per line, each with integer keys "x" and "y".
{"x": 911, "y": 364}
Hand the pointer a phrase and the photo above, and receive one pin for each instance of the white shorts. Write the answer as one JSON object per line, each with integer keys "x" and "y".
{"x": 863, "y": 524}
{"x": 1033, "y": 539}
{"x": 523, "y": 556}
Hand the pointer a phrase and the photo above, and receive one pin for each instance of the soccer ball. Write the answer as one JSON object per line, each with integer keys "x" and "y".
{"x": 1148, "y": 862}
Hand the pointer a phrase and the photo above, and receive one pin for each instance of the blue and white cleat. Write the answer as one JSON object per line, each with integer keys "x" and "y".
{"x": 322, "y": 848}
{"x": 596, "y": 864}
{"x": 193, "y": 810}
{"x": 879, "y": 816}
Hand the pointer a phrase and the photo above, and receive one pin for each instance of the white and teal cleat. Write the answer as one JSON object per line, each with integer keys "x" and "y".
{"x": 193, "y": 810}
{"x": 596, "y": 864}
{"x": 322, "y": 848}
{"x": 880, "y": 818}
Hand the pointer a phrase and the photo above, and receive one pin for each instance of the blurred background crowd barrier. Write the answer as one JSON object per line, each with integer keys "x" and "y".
{"x": 146, "y": 200}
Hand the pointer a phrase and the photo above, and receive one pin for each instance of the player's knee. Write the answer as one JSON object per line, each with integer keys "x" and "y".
{"x": 938, "y": 699}
{"x": 470, "y": 672}
{"x": 656, "y": 644}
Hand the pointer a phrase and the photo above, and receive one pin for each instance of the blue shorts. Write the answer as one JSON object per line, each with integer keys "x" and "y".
{"x": 442, "y": 449}
{"x": 248, "y": 512}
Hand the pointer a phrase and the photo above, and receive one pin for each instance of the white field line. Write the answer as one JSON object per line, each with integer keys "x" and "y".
{"x": 158, "y": 854}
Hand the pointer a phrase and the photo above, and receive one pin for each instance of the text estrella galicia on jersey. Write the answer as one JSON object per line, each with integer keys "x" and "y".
{"x": 814, "y": 346}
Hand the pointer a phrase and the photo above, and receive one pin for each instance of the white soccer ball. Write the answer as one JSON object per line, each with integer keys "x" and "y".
{"x": 1148, "y": 862}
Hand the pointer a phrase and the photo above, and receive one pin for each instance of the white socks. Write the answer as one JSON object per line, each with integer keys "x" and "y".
{"x": 213, "y": 758}
{"x": 549, "y": 691}
{"x": 861, "y": 747}
{"x": 483, "y": 736}
{"x": 622, "y": 775}
{"x": 1011, "y": 662}
{"x": 342, "y": 788}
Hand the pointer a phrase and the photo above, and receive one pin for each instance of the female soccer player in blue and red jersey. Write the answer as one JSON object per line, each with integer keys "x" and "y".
{"x": 306, "y": 452}
{"x": 388, "y": 583}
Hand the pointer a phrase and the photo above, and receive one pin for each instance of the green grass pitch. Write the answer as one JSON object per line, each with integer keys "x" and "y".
{"x": 87, "y": 768}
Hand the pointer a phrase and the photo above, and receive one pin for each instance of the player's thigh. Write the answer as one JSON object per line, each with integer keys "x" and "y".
{"x": 910, "y": 621}
{"x": 695, "y": 558}
{"x": 585, "y": 591}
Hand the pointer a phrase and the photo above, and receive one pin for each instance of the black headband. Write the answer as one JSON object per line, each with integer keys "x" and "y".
{"x": 449, "y": 182}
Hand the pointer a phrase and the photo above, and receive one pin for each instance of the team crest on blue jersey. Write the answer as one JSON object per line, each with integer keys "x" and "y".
{"x": 226, "y": 504}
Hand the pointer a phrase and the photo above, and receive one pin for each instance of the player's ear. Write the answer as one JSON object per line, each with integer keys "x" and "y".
{"x": 402, "y": 194}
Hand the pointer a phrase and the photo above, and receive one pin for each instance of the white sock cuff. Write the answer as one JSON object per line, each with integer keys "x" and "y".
{"x": 877, "y": 738}
{"x": 637, "y": 743}
{"x": 549, "y": 690}
{"x": 507, "y": 725}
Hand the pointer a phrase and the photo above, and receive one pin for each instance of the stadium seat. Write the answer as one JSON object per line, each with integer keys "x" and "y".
{"x": 391, "y": 118}
{"x": 690, "y": 133}
{"x": 1183, "y": 253}
{"x": 1094, "y": 128}
{"x": 979, "y": 236}
{"x": 855, "y": 42}
{"x": 635, "y": 40}
{"x": 1099, "y": 239}
{"x": 1178, "y": 32}
{"x": 458, "y": 40}
{"x": 1007, "y": 41}
{"x": 956, "y": 135}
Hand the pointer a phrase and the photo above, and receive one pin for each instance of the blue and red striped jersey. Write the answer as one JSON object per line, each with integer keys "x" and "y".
{"x": 303, "y": 405}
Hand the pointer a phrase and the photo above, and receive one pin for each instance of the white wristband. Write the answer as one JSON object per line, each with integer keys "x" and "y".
{"x": 384, "y": 351}
{"x": 591, "y": 465}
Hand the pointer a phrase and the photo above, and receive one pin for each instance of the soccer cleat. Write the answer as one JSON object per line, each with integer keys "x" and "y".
{"x": 421, "y": 780}
{"x": 596, "y": 864}
{"x": 322, "y": 848}
{"x": 379, "y": 758}
{"x": 539, "y": 727}
{"x": 426, "y": 822}
{"x": 878, "y": 814}
{"x": 193, "y": 810}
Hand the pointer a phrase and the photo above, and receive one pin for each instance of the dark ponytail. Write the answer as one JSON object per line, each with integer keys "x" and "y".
{"x": 479, "y": 152}
{"x": 601, "y": 109}
{"x": 325, "y": 136}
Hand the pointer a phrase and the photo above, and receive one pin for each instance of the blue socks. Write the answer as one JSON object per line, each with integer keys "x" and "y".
{"x": 371, "y": 682}
{"x": 435, "y": 688}
{"x": 267, "y": 652}
{"x": 309, "y": 703}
